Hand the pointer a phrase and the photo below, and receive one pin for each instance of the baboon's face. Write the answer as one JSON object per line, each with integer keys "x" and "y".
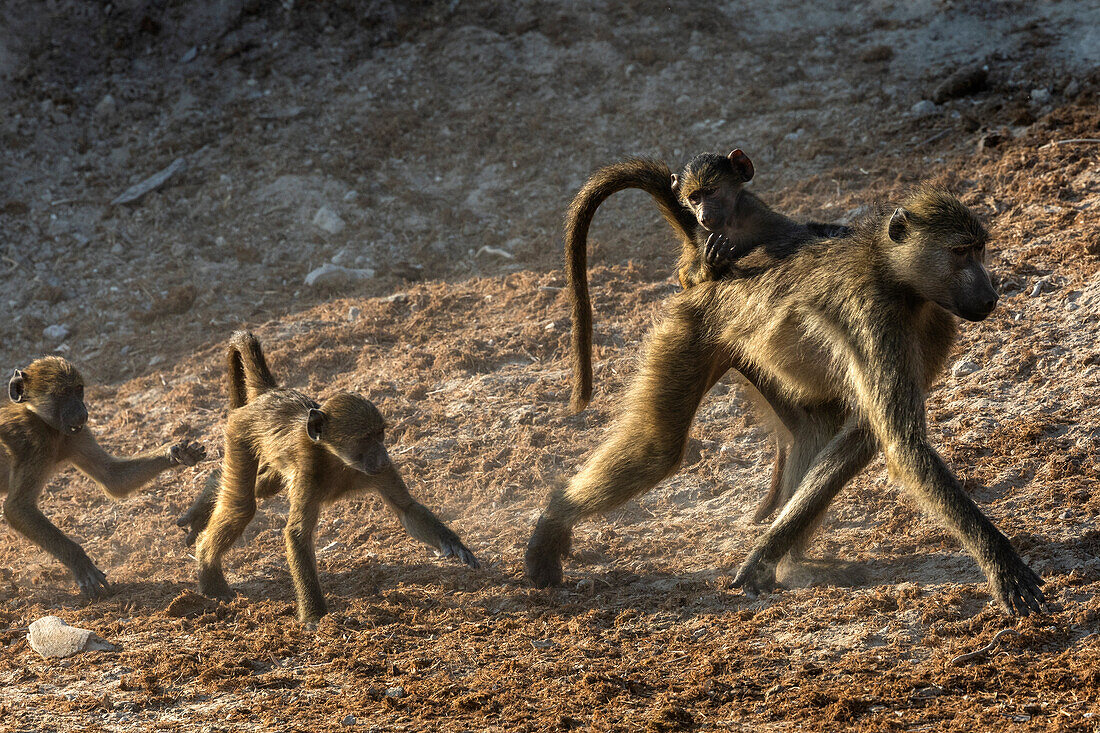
{"x": 712, "y": 204}
{"x": 53, "y": 389}
{"x": 709, "y": 186}
{"x": 352, "y": 429}
{"x": 944, "y": 261}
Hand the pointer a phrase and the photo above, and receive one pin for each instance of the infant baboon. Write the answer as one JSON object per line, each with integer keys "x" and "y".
{"x": 278, "y": 437}
{"x": 43, "y": 429}
{"x": 848, "y": 333}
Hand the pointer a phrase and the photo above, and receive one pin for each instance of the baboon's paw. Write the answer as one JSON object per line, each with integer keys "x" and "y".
{"x": 455, "y": 548}
{"x": 217, "y": 588}
{"x": 91, "y": 580}
{"x": 755, "y": 576}
{"x": 548, "y": 544}
{"x": 542, "y": 570}
{"x": 187, "y": 453}
{"x": 1017, "y": 589}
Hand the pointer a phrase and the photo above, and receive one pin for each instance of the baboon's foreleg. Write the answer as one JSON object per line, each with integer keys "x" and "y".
{"x": 841, "y": 459}
{"x": 418, "y": 520}
{"x": 234, "y": 509}
{"x": 301, "y": 524}
{"x": 120, "y": 477}
{"x": 1015, "y": 586}
{"x": 645, "y": 445}
{"x": 894, "y": 406}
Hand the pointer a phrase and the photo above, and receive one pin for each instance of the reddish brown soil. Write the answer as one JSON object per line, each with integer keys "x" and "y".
{"x": 647, "y": 633}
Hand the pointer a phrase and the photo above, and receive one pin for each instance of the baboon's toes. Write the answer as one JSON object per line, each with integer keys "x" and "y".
{"x": 1018, "y": 592}
{"x": 543, "y": 571}
{"x": 755, "y": 576}
{"x": 92, "y": 582}
{"x": 544, "y": 552}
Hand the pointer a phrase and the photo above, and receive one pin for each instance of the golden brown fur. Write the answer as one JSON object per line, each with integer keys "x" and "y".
{"x": 42, "y": 429}
{"x": 845, "y": 337}
{"x": 717, "y": 223}
{"x": 279, "y": 438}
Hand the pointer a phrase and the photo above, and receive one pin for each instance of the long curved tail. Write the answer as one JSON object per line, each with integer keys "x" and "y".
{"x": 646, "y": 174}
{"x": 249, "y": 376}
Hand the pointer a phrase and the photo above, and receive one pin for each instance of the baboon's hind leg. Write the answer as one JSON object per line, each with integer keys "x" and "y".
{"x": 771, "y": 500}
{"x": 234, "y": 509}
{"x": 645, "y": 445}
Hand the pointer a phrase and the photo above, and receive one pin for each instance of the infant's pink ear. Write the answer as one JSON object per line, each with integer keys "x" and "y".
{"x": 741, "y": 164}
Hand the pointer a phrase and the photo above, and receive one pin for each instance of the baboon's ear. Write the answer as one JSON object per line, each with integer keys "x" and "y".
{"x": 675, "y": 183}
{"x": 899, "y": 224}
{"x": 315, "y": 424}
{"x": 16, "y": 387}
{"x": 742, "y": 164}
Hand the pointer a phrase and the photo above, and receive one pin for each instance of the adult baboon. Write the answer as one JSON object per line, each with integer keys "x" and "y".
{"x": 848, "y": 332}
{"x": 42, "y": 429}
{"x": 717, "y": 222}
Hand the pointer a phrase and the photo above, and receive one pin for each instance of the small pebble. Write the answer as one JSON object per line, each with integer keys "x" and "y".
{"x": 353, "y": 314}
{"x": 395, "y": 692}
{"x": 964, "y": 367}
{"x": 349, "y": 720}
{"x": 56, "y": 332}
{"x": 329, "y": 274}
{"x": 328, "y": 220}
{"x": 106, "y": 107}
{"x": 1040, "y": 96}
{"x": 923, "y": 108}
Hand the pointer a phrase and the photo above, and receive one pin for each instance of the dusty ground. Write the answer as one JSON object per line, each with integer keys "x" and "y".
{"x": 432, "y": 130}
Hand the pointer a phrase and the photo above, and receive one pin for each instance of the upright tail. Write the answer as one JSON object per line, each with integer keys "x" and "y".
{"x": 646, "y": 174}
{"x": 249, "y": 376}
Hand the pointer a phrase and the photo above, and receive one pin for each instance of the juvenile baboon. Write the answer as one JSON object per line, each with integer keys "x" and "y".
{"x": 850, "y": 333}
{"x": 319, "y": 453}
{"x": 42, "y": 429}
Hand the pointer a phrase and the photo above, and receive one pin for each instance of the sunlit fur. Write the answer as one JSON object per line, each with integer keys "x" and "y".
{"x": 278, "y": 438}
{"x": 841, "y": 332}
{"x": 45, "y": 431}
{"x": 749, "y": 224}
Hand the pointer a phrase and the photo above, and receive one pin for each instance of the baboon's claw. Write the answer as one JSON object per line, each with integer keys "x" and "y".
{"x": 1018, "y": 591}
{"x": 458, "y": 550}
{"x": 92, "y": 581}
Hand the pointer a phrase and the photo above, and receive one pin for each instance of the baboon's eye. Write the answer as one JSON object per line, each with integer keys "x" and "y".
{"x": 695, "y": 197}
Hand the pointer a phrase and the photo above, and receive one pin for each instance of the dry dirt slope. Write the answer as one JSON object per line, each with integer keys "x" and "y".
{"x": 648, "y": 633}
{"x": 435, "y": 128}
